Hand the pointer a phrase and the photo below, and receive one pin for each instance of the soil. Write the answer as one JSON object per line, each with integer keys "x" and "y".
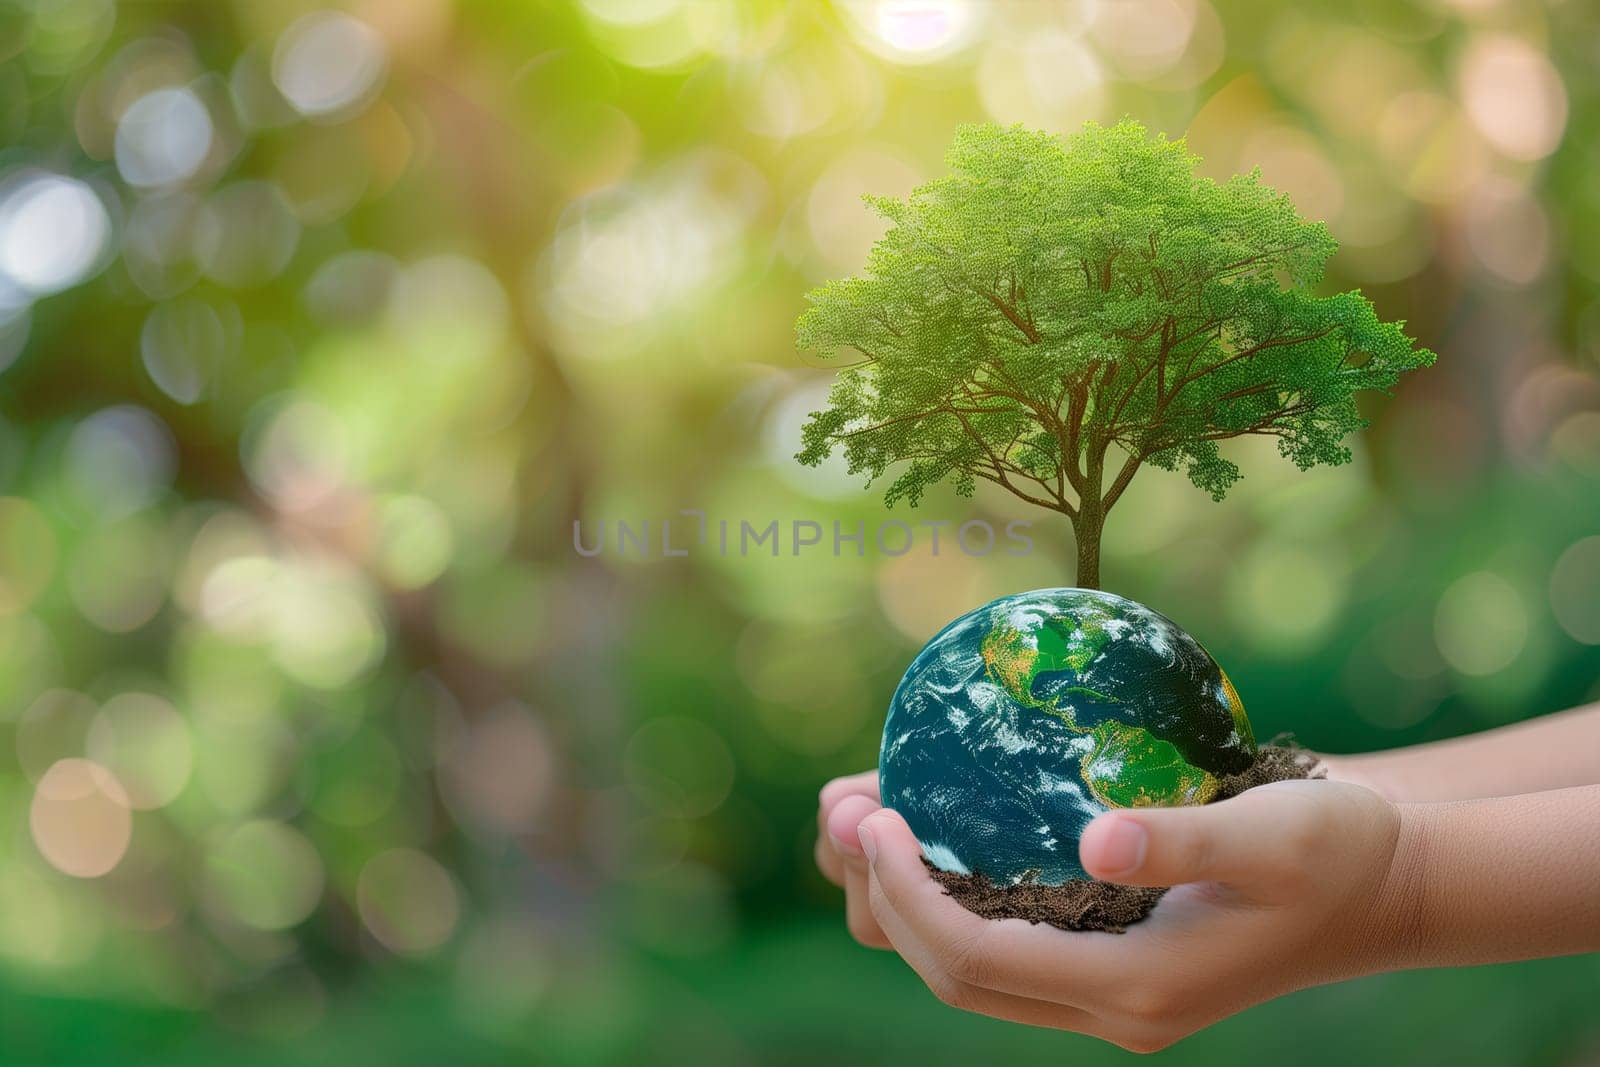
{"x": 1085, "y": 904}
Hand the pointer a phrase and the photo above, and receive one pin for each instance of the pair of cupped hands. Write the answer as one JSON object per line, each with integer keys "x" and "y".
{"x": 1284, "y": 886}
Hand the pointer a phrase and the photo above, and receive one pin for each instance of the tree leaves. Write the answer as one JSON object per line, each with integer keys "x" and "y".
{"x": 1049, "y": 298}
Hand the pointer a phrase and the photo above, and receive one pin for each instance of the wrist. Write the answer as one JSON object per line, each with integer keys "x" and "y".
{"x": 1402, "y": 905}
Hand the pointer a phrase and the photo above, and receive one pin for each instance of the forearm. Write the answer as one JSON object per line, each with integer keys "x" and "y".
{"x": 1550, "y": 752}
{"x": 1486, "y": 881}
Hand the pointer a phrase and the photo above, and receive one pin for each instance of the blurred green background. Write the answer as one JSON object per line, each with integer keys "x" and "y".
{"x": 320, "y": 743}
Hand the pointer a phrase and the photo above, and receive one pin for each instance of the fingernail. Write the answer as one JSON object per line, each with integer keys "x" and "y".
{"x": 868, "y": 844}
{"x": 1122, "y": 849}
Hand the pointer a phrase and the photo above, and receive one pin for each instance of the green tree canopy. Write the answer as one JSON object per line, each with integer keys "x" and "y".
{"x": 1055, "y": 302}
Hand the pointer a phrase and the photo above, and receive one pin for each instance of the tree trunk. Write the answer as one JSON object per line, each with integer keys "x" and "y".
{"x": 1088, "y": 528}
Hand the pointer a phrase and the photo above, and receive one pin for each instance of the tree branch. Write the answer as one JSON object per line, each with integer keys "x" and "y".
{"x": 1012, "y": 316}
{"x": 999, "y": 479}
{"x": 887, "y": 422}
{"x": 1130, "y": 467}
{"x": 1000, "y": 468}
{"x": 1246, "y": 354}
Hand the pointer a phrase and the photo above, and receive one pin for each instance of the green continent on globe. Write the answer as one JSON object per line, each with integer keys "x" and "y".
{"x": 1061, "y": 643}
{"x": 1024, "y": 719}
{"x": 1130, "y": 767}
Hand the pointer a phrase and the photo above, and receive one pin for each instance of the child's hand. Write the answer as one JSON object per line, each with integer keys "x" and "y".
{"x": 843, "y": 803}
{"x": 1286, "y": 886}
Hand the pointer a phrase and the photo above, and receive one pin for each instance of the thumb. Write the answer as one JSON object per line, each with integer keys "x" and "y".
{"x": 1265, "y": 838}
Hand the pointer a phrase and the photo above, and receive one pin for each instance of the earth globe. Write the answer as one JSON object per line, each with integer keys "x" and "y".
{"x": 1024, "y": 719}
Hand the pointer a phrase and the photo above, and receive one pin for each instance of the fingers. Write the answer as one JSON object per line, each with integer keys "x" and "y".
{"x": 842, "y": 823}
{"x": 938, "y": 960}
{"x": 905, "y": 895}
{"x": 837, "y": 843}
{"x": 843, "y": 803}
{"x": 829, "y": 860}
{"x": 1025, "y": 1010}
{"x": 941, "y": 937}
{"x": 1106, "y": 986}
{"x": 1159, "y": 981}
{"x": 863, "y": 784}
{"x": 859, "y": 917}
{"x": 1262, "y": 843}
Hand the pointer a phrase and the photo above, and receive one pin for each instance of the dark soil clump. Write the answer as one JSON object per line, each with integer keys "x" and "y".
{"x": 1279, "y": 761}
{"x": 1085, "y": 904}
{"x": 1081, "y": 904}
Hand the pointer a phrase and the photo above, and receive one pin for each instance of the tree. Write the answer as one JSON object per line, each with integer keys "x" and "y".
{"x": 1055, "y": 313}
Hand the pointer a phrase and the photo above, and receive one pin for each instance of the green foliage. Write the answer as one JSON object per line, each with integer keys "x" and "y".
{"x": 1050, "y": 300}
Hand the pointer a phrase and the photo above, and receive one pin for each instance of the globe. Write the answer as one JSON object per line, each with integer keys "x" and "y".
{"x": 1024, "y": 719}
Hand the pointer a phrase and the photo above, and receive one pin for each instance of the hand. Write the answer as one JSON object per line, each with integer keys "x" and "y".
{"x": 845, "y": 801}
{"x": 841, "y": 806}
{"x": 1286, "y": 886}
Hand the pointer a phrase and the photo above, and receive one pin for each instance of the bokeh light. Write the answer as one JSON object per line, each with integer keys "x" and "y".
{"x": 407, "y": 901}
{"x": 328, "y": 64}
{"x": 915, "y": 31}
{"x": 158, "y": 243}
{"x": 1292, "y": 161}
{"x": 842, "y": 228}
{"x": 298, "y": 460}
{"x": 1514, "y": 96}
{"x": 632, "y": 252}
{"x": 245, "y": 234}
{"x": 1508, "y": 232}
{"x": 1481, "y": 624}
{"x": 1286, "y": 597}
{"x": 1572, "y": 584}
{"x": 163, "y": 138}
{"x": 496, "y": 772}
{"x": 919, "y": 592}
{"x": 80, "y": 818}
{"x": 183, "y": 344}
{"x": 1145, "y": 37}
{"x": 263, "y": 874}
{"x": 53, "y": 230}
{"x": 64, "y": 33}
{"x": 118, "y": 460}
{"x": 1052, "y": 80}
{"x": 352, "y": 287}
{"x": 144, "y": 742}
{"x": 325, "y": 631}
{"x": 118, "y": 574}
{"x": 661, "y": 34}
{"x": 415, "y": 541}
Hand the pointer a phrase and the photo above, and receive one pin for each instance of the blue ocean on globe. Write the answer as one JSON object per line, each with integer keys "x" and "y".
{"x": 1024, "y": 719}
